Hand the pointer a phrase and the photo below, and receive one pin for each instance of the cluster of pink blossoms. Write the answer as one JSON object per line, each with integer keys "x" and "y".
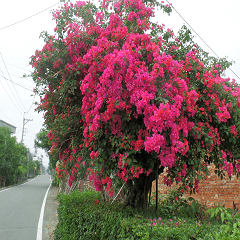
{"x": 125, "y": 78}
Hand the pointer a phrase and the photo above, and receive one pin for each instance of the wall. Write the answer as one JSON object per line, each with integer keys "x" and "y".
{"x": 211, "y": 191}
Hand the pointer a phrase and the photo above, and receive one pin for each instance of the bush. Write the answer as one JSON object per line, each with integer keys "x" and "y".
{"x": 229, "y": 221}
{"x": 83, "y": 215}
{"x": 56, "y": 181}
{"x": 173, "y": 204}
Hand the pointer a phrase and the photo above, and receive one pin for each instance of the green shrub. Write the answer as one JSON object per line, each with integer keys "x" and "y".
{"x": 56, "y": 181}
{"x": 83, "y": 215}
{"x": 228, "y": 220}
{"x": 173, "y": 204}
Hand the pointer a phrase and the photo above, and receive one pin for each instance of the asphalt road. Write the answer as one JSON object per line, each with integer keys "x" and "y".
{"x": 20, "y": 208}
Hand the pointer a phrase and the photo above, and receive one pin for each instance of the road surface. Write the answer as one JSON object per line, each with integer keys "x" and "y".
{"x": 20, "y": 208}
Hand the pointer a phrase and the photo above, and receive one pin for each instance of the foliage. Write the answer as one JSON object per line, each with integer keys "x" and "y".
{"x": 43, "y": 142}
{"x": 56, "y": 181}
{"x": 12, "y": 154}
{"x": 83, "y": 215}
{"x": 229, "y": 220}
{"x": 174, "y": 204}
{"x": 124, "y": 98}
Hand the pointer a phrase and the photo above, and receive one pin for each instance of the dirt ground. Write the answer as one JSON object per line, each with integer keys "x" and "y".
{"x": 50, "y": 219}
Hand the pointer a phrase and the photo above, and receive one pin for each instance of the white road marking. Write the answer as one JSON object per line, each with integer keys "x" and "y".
{"x": 18, "y": 185}
{"x": 40, "y": 221}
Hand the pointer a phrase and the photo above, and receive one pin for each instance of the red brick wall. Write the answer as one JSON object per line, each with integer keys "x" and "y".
{"x": 211, "y": 191}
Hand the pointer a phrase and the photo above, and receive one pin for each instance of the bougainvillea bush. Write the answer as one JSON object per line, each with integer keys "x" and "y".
{"x": 124, "y": 98}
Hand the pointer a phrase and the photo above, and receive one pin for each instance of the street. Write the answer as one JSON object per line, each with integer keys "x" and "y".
{"x": 20, "y": 208}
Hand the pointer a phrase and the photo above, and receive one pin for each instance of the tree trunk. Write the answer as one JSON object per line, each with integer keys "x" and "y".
{"x": 138, "y": 189}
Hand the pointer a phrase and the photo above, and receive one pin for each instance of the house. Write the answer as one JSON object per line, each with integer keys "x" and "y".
{"x": 5, "y": 124}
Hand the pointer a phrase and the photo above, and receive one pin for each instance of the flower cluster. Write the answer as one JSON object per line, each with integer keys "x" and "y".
{"x": 120, "y": 92}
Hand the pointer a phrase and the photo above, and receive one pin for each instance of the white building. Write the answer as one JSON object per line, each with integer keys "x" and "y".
{"x": 5, "y": 124}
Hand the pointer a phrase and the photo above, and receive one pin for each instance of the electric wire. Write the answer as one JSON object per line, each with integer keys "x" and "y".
{"x": 25, "y": 77}
{"x": 31, "y": 104}
{"x": 14, "y": 70}
{"x": 10, "y": 97}
{"x": 15, "y": 66}
{"x": 8, "y": 118}
{"x": 29, "y": 17}
{"x": 32, "y": 132}
{"x": 16, "y": 83}
{"x": 12, "y": 82}
{"x": 200, "y": 37}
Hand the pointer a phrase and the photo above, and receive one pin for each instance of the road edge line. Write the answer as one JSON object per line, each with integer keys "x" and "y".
{"x": 18, "y": 185}
{"x": 40, "y": 221}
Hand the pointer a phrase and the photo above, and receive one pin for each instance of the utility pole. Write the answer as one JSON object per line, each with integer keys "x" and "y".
{"x": 24, "y": 122}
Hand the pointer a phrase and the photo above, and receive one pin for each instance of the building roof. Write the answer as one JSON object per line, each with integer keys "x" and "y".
{"x": 5, "y": 124}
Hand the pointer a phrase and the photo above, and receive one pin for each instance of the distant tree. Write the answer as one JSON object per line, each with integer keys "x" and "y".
{"x": 11, "y": 155}
{"x": 44, "y": 143}
{"x": 37, "y": 167}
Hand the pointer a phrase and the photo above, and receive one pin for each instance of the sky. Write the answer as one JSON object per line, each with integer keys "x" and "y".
{"x": 215, "y": 21}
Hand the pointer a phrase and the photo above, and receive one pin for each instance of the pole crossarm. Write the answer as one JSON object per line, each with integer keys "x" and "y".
{"x": 25, "y": 121}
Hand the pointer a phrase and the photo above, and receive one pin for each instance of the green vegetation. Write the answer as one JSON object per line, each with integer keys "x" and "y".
{"x": 43, "y": 142}
{"x": 84, "y": 215}
{"x": 15, "y": 160}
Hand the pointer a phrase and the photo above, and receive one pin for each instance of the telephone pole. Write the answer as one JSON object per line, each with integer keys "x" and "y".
{"x": 24, "y": 122}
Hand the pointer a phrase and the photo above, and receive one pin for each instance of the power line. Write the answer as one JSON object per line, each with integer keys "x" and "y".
{"x": 28, "y": 17}
{"x": 8, "y": 118}
{"x": 12, "y": 83}
{"x": 16, "y": 66}
{"x": 15, "y": 70}
{"x": 31, "y": 105}
{"x": 200, "y": 36}
{"x": 16, "y": 83}
{"x": 11, "y": 98}
{"x": 25, "y": 78}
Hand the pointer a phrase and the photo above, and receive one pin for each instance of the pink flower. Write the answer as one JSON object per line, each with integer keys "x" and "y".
{"x": 233, "y": 130}
{"x": 92, "y": 155}
{"x": 224, "y": 155}
{"x": 70, "y": 180}
{"x": 228, "y": 167}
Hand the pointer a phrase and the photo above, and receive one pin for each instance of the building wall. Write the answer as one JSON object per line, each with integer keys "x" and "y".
{"x": 211, "y": 191}
{"x": 5, "y": 124}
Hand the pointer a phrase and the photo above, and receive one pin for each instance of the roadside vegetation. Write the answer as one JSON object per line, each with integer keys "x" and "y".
{"x": 84, "y": 215}
{"x": 16, "y": 162}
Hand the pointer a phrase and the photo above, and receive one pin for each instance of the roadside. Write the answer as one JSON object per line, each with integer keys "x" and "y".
{"x": 17, "y": 184}
{"x": 50, "y": 219}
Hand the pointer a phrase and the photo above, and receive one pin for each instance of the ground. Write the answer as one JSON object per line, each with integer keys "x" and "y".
{"x": 50, "y": 219}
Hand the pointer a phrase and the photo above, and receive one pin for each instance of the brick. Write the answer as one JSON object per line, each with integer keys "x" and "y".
{"x": 212, "y": 191}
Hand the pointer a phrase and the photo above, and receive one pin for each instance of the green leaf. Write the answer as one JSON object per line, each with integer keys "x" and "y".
{"x": 222, "y": 216}
{"x": 194, "y": 205}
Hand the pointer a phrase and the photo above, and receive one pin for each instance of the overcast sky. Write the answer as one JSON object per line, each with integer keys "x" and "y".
{"x": 216, "y": 21}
